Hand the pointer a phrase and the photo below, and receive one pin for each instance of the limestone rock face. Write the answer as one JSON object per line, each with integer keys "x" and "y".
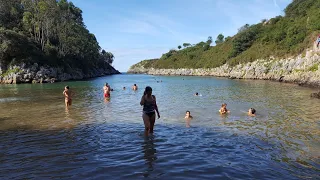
{"x": 303, "y": 69}
{"x": 34, "y": 73}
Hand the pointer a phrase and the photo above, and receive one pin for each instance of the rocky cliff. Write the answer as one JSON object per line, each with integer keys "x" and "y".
{"x": 34, "y": 73}
{"x": 303, "y": 69}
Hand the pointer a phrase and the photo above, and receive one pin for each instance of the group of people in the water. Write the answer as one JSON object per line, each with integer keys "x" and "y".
{"x": 150, "y": 107}
{"x": 224, "y": 110}
{"x": 106, "y": 93}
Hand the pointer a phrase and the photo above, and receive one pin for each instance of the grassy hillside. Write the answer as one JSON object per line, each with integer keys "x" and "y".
{"x": 280, "y": 37}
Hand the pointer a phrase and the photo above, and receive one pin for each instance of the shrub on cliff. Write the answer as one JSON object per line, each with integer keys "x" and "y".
{"x": 16, "y": 48}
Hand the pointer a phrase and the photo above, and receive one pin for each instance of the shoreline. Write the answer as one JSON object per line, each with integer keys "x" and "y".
{"x": 301, "y": 70}
{"x": 33, "y": 74}
{"x": 313, "y": 86}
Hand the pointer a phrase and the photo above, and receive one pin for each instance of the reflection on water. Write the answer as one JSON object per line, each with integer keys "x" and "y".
{"x": 150, "y": 154}
{"x": 101, "y": 139}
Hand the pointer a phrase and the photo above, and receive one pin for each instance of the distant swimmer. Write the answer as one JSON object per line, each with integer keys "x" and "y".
{"x": 197, "y": 94}
{"x": 124, "y": 88}
{"x": 67, "y": 96}
{"x": 223, "y": 109}
{"x": 251, "y": 112}
{"x": 106, "y": 91}
{"x": 134, "y": 87}
{"x": 188, "y": 118}
{"x": 149, "y": 103}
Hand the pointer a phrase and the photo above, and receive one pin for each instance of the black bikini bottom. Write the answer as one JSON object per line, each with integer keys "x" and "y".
{"x": 150, "y": 114}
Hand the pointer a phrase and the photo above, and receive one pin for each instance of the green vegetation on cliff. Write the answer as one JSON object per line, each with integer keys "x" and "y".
{"x": 280, "y": 37}
{"x": 48, "y": 32}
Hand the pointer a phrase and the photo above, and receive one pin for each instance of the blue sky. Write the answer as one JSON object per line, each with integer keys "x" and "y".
{"x": 134, "y": 30}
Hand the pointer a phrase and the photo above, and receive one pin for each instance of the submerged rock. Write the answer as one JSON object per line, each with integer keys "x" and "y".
{"x": 316, "y": 95}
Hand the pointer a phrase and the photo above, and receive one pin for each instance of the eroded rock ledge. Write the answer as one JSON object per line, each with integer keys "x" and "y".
{"x": 302, "y": 70}
{"x": 34, "y": 73}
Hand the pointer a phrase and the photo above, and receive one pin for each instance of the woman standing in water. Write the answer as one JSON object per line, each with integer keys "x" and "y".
{"x": 149, "y": 103}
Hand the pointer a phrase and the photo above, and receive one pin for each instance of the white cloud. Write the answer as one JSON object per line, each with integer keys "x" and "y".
{"x": 242, "y": 13}
{"x": 146, "y": 23}
{"x": 136, "y": 26}
{"x": 125, "y": 57}
{"x": 276, "y": 4}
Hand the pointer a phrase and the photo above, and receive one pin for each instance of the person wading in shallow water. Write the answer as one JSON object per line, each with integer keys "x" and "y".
{"x": 106, "y": 91}
{"x": 188, "y": 118}
{"x": 149, "y": 103}
{"x": 67, "y": 96}
{"x": 134, "y": 87}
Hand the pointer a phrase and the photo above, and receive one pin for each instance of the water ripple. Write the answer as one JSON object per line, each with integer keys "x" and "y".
{"x": 97, "y": 139}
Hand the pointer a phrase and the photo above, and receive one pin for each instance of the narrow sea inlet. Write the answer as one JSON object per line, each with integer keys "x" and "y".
{"x": 98, "y": 139}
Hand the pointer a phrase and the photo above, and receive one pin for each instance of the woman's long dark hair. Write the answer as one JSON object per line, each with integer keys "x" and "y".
{"x": 148, "y": 88}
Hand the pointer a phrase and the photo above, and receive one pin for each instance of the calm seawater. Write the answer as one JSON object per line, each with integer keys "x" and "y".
{"x": 94, "y": 139}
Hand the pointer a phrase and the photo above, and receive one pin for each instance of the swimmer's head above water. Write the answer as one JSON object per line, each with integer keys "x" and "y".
{"x": 197, "y": 94}
{"x": 251, "y": 112}
{"x": 223, "y": 109}
{"x": 188, "y": 114}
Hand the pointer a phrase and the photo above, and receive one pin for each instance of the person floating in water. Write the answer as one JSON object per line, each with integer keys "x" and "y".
{"x": 251, "y": 112}
{"x": 67, "y": 96}
{"x": 188, "y": 118}
{"x": 134, "y": 87}
{"x": 124, "y": 88}
{"x": 106, "y": 91}
{"x": 196, "y": 94}
{"x": 318, "y": 41}
{"x": 223, "y": 109}
{"x": 149, "y": 103}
